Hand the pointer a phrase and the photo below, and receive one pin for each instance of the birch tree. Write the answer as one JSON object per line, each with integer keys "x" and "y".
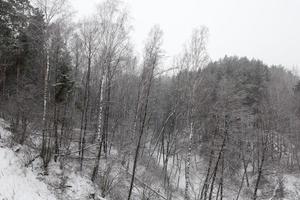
{"x": 152, "y": 57}
{"x": 52, "y": 10}
{"x": 89, "y": 31}
{"x": 194, "y": 58}
{"x": 113, "y": 53}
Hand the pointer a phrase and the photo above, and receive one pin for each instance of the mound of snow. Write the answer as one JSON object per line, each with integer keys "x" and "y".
{"x": 81, "y": 187}
{"x": 291, "y": 187}
{"x": 18, "y": 182}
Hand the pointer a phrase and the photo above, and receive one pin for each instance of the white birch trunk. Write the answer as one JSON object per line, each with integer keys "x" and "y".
{"x": 100, "y": 114}
{"x": 45, "y": 102}
{"x": 188, "y": 164}
{"x": 99, "y": 127}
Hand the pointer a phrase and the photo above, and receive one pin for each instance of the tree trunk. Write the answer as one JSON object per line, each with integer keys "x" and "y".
{"x": 216, "y": 167}
{"x": 260, "y": 170}
{"x": 85, "y": 110}
{"x": 188, "y": 163}
{"x": 45, "y": 104}
{"x": 99, "y": 131}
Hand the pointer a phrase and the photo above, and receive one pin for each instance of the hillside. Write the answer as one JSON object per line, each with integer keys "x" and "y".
{"x": 22, "y": 178}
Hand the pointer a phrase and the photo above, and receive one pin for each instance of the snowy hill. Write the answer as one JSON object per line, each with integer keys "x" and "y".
{"x": 16, "y": 181}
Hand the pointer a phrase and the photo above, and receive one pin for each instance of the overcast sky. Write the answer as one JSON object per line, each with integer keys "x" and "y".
{"x": 265, "y": 29}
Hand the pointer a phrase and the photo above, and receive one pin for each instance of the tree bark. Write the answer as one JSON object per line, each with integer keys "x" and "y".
{"x": 188, "y": 163}
{"x": 99, "y": 131}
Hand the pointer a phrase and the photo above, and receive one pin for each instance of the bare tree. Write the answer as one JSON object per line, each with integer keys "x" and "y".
{"x": 113, "y": 52}
{"x": 152, "y": 56}
{"x": 52, "y": 10}
{"x": 90, "y": 36}
{"x": 194, "y": 58}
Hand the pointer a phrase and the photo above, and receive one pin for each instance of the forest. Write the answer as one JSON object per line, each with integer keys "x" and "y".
{"x": 78, "y": 99}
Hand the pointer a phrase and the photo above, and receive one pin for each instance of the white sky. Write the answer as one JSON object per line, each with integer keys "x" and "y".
{"x": 264, "y": 29}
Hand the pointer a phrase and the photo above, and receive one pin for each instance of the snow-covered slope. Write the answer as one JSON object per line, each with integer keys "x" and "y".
{"x": 16, "y": 181}
{"x": 292, "y": 187}
{"x": 20, "y": 183}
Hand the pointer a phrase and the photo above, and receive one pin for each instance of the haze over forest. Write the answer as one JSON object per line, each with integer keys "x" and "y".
{"x": 267, "y": 30}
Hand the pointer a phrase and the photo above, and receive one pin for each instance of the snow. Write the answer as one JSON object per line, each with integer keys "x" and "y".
{"x": 81, "y": 187}
{"x": 291, "y": 187}
{"x": 18, "y": 182}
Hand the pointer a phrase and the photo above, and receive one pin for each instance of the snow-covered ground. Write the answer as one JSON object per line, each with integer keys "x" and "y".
{"x": 16, "y": 181}
{"x": 291, "y": 187}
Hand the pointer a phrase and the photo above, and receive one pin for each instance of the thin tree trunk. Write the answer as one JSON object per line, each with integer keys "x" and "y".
{"x": 222, "y": 177}
{"x": 86, "y": 108}
{"x": 55, "y": 127}
{"x": 63, "y": 127}
{"x": 216, "y": 167}
{"x": 106, "y": 112}
{"x": 142, "y": 112}
{"x": 188, "y": 163}
{"x": 24, "y": 129}
{"x": 45, "y": 103}
{"x": 260, "y": 170}
{"x": 136, "y": 156}
{"x": 99, "y": 132}
{"x": 245, "y": 165}
{"x": 241, "y": 186}
{"x": 16, "y": 128}
{"x": 204, "y": 189}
